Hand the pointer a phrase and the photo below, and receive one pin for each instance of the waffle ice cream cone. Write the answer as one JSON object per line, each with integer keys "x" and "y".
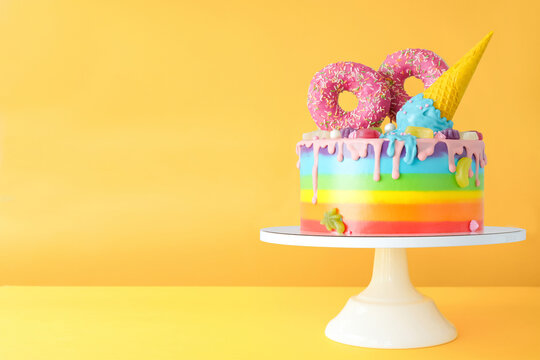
{"x": 448, "y": 90}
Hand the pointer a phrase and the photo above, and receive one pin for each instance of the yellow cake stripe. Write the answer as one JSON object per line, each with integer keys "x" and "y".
{"x": 389, "y": 197}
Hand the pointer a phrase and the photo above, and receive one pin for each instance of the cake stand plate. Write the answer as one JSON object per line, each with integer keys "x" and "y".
{"x": 390, "y": 313}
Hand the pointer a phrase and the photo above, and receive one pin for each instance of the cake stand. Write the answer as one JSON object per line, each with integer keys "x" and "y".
{"x": 390, "y": 313}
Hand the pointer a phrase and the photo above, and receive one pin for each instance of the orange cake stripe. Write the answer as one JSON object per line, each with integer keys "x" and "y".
{"x": 397, "y": 212}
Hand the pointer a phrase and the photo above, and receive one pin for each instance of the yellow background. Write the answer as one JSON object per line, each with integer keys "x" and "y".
{"x": 147, "y": 142}
{"x": 263, "y": 323}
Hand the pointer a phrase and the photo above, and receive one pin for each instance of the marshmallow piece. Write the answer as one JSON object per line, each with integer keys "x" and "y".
{"x": 319, "y": 134}
{"x": 335, "y": 134}
{"x": 389, "y": 127}
{"x": 323, "y": 134}
{"x": 468, "y": 135}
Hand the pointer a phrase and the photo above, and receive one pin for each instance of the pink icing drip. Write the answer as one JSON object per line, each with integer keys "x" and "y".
{"x": 332, "y": 148}
{"x": 363, "y": 150}
{"x": 304, "y": 143}
{"x": 454, "y": 148}
{"x": 476, "y": 149}
{"x": 377, "y": 167}
{"x": 315, "y": 172}
{"x": 477, "y": 181}
{"x": 355, "y": 154}
{"x": 298, "y": 153}
{"x": 395, "y": 161}
{"x": 377, "y": 148}
{"x": 359, "y": 148}
{"x": 426, "y": 147}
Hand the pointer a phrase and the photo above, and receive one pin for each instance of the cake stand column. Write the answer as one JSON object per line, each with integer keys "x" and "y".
{"x": 390, "y": 313}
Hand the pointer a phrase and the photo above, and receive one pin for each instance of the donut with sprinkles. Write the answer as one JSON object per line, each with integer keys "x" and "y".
{"x": 368, "y": 85}
{"x": 399, "y": 66}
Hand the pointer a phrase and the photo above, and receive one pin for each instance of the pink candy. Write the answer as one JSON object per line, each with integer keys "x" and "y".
{"x": 367, "y": 84}
{"x": 422, "y": 64}
{"x": 364, "y": 134}
{"x": 473, "y": 225}
{"x": 439, "y": 135}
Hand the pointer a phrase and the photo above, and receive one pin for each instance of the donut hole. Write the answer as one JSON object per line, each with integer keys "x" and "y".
{"x": 347, "y": 101}
{"x": 413, "y": 86}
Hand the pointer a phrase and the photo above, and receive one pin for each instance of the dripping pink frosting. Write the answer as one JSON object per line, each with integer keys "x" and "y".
{"x": 358, "y": 148}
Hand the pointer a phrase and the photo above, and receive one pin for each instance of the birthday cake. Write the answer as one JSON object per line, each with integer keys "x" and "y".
{"x": 418, "y": 176}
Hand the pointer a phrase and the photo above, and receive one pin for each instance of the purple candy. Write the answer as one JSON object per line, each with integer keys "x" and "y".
{"x": 450, "y": 133}
{"x": 345, "y": 132}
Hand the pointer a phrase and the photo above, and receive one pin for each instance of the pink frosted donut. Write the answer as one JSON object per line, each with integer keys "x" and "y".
{"x": 422, "y": 64}
{"x": 367, "y": 84}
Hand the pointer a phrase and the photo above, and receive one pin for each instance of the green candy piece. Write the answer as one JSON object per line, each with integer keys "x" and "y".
{"x": 332, "y": 220}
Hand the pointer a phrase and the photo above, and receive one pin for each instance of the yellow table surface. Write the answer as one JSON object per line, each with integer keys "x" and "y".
{"x": 244, "y": 323}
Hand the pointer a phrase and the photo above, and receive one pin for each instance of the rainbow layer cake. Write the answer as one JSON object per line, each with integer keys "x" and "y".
{"x": 418, "y": 176}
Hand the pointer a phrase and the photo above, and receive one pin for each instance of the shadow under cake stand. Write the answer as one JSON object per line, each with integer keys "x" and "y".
{"x": 390, "y": 313}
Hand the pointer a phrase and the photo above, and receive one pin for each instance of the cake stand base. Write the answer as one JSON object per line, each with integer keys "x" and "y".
{"x": 390, "y": 313}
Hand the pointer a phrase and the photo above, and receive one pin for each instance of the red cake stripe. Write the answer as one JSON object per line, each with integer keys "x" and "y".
{"x": 393, "y": 227}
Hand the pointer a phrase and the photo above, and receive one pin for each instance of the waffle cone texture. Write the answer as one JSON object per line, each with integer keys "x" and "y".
{"x": 449, "y": 89}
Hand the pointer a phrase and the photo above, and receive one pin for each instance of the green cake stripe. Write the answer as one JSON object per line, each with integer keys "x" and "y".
{"x": 410, "y": 182}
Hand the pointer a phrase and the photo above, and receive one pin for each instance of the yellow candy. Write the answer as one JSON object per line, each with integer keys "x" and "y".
{"x": 419, "y": 132}
{"x": 462, "y": 171}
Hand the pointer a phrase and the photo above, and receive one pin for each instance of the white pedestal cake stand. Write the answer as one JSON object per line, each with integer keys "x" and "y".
{"x": 390, "y": 313}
